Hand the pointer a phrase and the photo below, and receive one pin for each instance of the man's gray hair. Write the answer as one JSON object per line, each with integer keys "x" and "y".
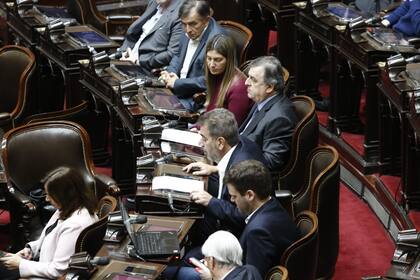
{"x": 202, "y": 8}
{"x": 273, "y": 70}
{"x": 220, "y": 122}
{"x": 224, "y": 247}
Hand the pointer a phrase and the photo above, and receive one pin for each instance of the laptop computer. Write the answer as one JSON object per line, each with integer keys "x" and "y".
{"x": 150, "y": 244}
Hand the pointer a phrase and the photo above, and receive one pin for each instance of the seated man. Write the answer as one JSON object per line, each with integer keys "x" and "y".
{"x": 222, "y": 144}
{"x": 185, "y": 73}
{"x": 223, "y": 259}
{"x": 271, "y": 121}
{"x": 153, "y": 39}
{"x": 405, "y": 19}
{"x": 269, "y": 229}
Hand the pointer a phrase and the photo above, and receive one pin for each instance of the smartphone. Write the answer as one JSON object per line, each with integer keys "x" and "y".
{"x": 140, "y": 270}
{"x": 197, "y": 263}
{"x": 119, "y": 276}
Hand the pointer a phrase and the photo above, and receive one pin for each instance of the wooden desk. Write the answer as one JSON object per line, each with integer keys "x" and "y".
{"x": 128, "y": 137}
{"x": 119, "y": 266}
{"x": 117, "y": 252}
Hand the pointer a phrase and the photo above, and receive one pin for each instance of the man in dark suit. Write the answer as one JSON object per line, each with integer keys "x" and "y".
{"x": 185, "y": 73}
{"x": 223, "y": 259}
{"x": 272, "y": 120}
{"x": 153, "y": 39}
{"x": 269, "y": 229}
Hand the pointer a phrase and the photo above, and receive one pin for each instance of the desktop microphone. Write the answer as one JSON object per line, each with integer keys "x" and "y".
{"x": 413, "y": 59}
{"x": 171, "y": 202}
{"x": 374, "y": 20}
{"x": 116, "y": 55}
{"x": 99, "y": 261}
{"x": 170, "y": 124}
{"x": 139, "y": 219}
{"x": 165, "y": 159}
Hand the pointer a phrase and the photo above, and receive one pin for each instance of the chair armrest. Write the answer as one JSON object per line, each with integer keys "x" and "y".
{"x": 106, "y": 183}
{"x": 23, "y": 200}
{"x": 285, "y": 198}
{"x": 5, "y": 118}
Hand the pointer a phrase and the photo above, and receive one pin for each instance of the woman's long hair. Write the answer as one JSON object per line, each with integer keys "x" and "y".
{"x": 67, "y": 187}
{"x": 225, "y": 46}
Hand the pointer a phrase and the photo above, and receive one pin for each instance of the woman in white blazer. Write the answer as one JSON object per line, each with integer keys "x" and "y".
{"x": 49, "y": 256}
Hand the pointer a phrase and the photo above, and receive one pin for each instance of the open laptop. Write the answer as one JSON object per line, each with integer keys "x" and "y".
{"x": 150, "y": 244}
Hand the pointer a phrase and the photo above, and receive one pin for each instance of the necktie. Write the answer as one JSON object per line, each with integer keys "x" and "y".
{"x": 256, "y": 111}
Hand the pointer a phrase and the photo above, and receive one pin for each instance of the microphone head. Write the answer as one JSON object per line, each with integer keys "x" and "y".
{"x": 99, "y": 261}
{"x": 140, "y": 219}
{"x": 116, "y": 55}
{"x": 413, "y": 59}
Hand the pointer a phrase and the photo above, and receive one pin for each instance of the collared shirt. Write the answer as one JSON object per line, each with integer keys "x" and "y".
{"x": 191, "y": 49}
{"x": 253, "y": 212}
{"x": 224, "y": 276}
{"x": 221, "y": 167}
{"x": 259, "y": 107}
{"x": 147, "y": 27}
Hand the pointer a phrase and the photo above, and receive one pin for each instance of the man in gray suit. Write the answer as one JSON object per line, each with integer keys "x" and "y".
{"x": 153, "y": 39}
{"x": 271, "y": 121}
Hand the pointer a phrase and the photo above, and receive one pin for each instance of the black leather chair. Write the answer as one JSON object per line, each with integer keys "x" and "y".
{"x": 277, "y": 273}
{"x": 320, "y": 195}
{"x": 30, "y": 152}
{"x": 304, "y": 140}
{"x": 91, "y": 238}
{"x": 17, "y": 67}
{"x": 240, "y": 34}
{"x": 300, "y": 258}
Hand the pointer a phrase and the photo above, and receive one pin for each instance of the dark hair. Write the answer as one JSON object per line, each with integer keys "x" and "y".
{"x": 273, "y": 70}
{"x": 220, "y": 122}
{"x": 67, "y": 187}
{"x": 225, "y": 46}
{"x": 250, "y": 175}
{"x": 202, "y": 8}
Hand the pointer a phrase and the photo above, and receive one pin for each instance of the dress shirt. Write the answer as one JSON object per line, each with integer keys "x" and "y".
{"x": 147, "y": 27}
{"x": 221, "y": 167}
{"x": 192, "y": 47}
{"x": 253, "y": 212}
{"x": 259, "y": 107}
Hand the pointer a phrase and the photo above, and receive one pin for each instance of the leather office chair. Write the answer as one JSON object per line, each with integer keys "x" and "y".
{"x": 304, "y": 140}
{"x": 17, "y": 67}
{"x": 240, "y": 34}
{"x": 91, "y": 238}
{"x": 277, "y": 273}
{"x": 114, "y": 26}
{"x": 300, "y": 258}
{"x": 30, "y": 152}
{"x": 321, "y": 196}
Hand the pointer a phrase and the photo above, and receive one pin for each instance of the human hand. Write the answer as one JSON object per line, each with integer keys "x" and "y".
{"x": 201, "y": 197}
{"x": 170, "y": 80}
{"x": 128, "y": 55}
{"x": 25, "y": 253}
{"x": 201, "y": 268}
{"x": 200, "y": 168}
{"x": 11, "y": 261}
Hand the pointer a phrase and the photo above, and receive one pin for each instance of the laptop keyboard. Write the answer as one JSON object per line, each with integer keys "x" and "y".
{"x": 149, "y": 243}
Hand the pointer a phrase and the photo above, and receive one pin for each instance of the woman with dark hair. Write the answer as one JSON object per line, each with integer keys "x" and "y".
{"x": 225, "y": 82}
{"x": 49, "y": 256}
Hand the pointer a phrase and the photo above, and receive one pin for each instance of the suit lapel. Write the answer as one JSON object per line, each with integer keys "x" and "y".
{"x": 248, "y": 117}
{"x": 164, "y": 18}
{"x": 260, "y": 115}
{"x": 202, "y": 44}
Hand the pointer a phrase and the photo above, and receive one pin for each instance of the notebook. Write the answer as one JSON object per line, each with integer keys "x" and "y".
{"x": 150, "y": 244}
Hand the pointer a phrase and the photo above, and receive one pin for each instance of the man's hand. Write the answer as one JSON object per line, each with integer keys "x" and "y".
{"x": 200, "y": 168}
{"x": 170, "y": 81}
{"x": 25, "y": 253}
{"x": 11, "y": 261}
{"x": 201, "y": 197}
{"x": 128, "y": 55}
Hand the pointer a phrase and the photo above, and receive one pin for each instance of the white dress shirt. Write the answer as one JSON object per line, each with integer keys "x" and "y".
{"x": 221, "y": 168}
{"x": 147, "y": 27}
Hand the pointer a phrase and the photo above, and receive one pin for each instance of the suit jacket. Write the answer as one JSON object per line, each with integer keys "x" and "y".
{"x": 272, "y": 129}
{"x": 55, "y": 249}
{"x": 162, "y": 43}
{"x": 245, "y": 272}
{"x": 266, "y": 236}
{"x": 195, "y": 81}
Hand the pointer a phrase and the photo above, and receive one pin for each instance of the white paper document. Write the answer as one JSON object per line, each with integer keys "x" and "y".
{"x": 181, "y": 136}
{"x": 176, "y": 184}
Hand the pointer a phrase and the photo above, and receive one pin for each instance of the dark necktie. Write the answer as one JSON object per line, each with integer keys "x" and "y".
{"x": 51, "y": 227}
{"x": 256, "y": 111}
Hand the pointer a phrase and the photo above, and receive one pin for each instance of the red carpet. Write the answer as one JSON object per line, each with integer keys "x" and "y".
{"x": 365, "y": 247}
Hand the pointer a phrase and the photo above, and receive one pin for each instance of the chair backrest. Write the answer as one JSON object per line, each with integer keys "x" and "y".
{"x": 304, "y": 140}
{"x": 277, "y": 273}
{"x": 240, "y": 34}
{"x": 91, "y": 238}
{"x": 17, "y": 66}
{"x": 33, "y": 150}
{"x": 300, "y": 258}
{"x": 321, "y": 196}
